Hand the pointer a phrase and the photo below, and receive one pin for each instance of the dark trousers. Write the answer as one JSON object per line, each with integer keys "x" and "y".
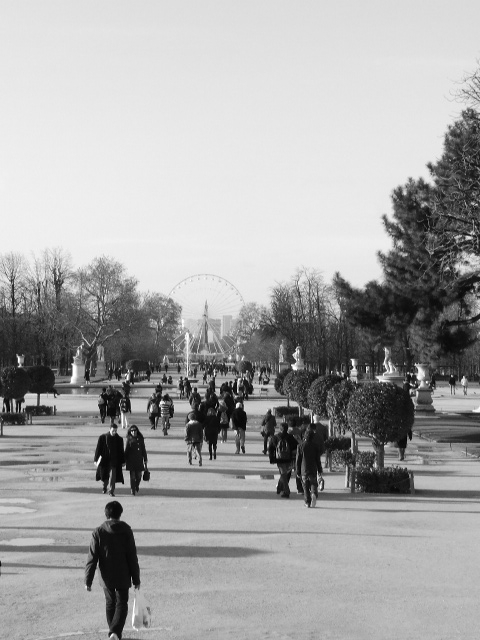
{"x": 135, "y": 477}
{"x": 310, "y": 483}
{"x": 103, "y": 412}
{"x": 116, "y": 607}
{"x": 285, "y": 469}
{"x": 212, "y": 449}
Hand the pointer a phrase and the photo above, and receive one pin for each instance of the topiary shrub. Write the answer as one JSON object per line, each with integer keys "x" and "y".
{"x": 278, "y": 384}
{"x": 137, "y": 366}
{"x": 384, "y": 412}
{"x": 284, "y": 411}
{"x": 38, "y": 410}
{"x": 300, "y": 384}
{"x": 15, "y": 382}
{"x": 42, "y": 380}
{"x": 287, "y": 383}
{"x": 317, "y": 394}
{"x": 390, "y": 480}
{"x": 337, "y": 402}
{"x": 13, "y": 418}
{"x": 244, "y": 366}
{"x": 338, "y": 444}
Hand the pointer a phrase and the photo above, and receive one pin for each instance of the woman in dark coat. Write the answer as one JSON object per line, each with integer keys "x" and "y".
{"x": 135, "y": 457}
{"x": 211, "y": 430}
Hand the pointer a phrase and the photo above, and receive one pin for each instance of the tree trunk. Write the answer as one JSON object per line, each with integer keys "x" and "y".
{"x": 38, "y": 399}
{"x": 379, "y": 456}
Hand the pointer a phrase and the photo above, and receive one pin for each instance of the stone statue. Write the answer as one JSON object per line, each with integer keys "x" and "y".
{"x": 100, "y": 353}
{"x": 297, "y": 354}
{"x": 388, "y": 362}
{"x": 79, "y": 354}
{"x": 282, "y": 352}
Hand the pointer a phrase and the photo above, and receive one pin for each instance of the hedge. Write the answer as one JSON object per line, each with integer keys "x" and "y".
{"x": 13, "y": 418}
{"x": 388, "y": 480}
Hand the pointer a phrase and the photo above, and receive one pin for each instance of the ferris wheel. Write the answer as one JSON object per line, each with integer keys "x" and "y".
{"x": 210, "y": 306}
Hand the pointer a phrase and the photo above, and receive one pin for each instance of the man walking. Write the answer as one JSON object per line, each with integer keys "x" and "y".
{"x": 239, "y": 424}
{"x": 109, "y": 458}
{"x": 309, "y": 467}
{"x": 194, "y": 440}
{"x": 283, "y": 449}
{"x": 113, "y": 548}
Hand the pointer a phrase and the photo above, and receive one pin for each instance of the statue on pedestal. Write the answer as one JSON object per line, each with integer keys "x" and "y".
{"x": 282, "y": 352}
{"x": 297, "y": 354}
{"x": 100, "y": 353}
{"x": 388, "y": 362}
{"x": 78, "y": 358}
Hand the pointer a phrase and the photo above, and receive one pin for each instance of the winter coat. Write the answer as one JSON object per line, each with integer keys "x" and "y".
{"x": 194, "y": 431}
{"x": 239, "y": 419}
{"x": 269, "y": 423}
{"x": 113, "y": 548}
{"x": 135, "y": 453}
{"x": 212, "y": 428}
{"x": 308, "y": 458}
{"x": 105, "y": 445}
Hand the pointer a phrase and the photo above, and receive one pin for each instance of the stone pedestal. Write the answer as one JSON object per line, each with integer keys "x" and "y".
{"x": 101, "y": 371}
{"x": 78, "y": 371}
{"x": 282, "y": 366}
{"x": 392, "y": 378}
{"x": 423, "y": 397}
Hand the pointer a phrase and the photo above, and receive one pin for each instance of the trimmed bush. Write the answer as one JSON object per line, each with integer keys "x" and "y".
{"x": 284, "y": 411}
{"x": 317, "y": 394}
{"x": 39, "y": 410}
{"x": 389, "y": 480}
{"x": 359, "y": 460}
{"x": 13, "y": 418}
{"x": 300, "y": 385}
{"x": 244, "y": 366}
{"x": 15, "y": 382}
{"x": 137, "y": 366}
{"x": 338, "y": 444}
{"x": 287, "y": 383}
{"x": 364, "y": 459}
{"x": 337, "y": 401}
{"x": 42, "y": 380}
{"x": 278, "y": 384}
{"x": 384, "y": 412}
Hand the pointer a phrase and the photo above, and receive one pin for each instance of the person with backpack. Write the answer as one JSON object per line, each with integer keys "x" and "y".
{"x": 239, "y": 424}
{"x": 282, "y": 451}
{"x": 153, "y": 410}
{"x": 102, "y": 404}
{"x": 125, "y": 407}
{"x": 222, "y": 414}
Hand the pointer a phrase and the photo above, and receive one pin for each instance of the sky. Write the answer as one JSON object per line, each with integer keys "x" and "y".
{"x": 241, "y": 138}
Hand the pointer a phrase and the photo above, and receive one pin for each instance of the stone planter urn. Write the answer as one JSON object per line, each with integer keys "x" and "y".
{"x": 423, "y": 395}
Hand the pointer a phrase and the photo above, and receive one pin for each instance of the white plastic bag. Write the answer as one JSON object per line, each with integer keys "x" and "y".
{"x": 141, "y": 616}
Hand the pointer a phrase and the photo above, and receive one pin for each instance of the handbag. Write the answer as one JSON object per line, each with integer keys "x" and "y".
{"x": 141, "y": 615}
{"x": 146, "y": 475}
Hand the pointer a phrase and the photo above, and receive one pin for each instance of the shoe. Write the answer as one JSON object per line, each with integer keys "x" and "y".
{"x": 314, "y": 500}
{"x": 278, "y": 490}
{"x": 243, "y": 449}
{"x": 189, "y": 462}
{"x": 210, "y": 457}
{"x": 132, "y": 492}
{"x": 264, "y": 453}
{"x": 215, "y": 456}
{"x": 305, "y": 504}
{"x": 285, "y": 495}
{"x": 104, "y": 491}
{"x": 199, "y": 463}
{"x": 113, "y": 636}
{"x": 110, "y": 493}
{"x": 237, "y": 453}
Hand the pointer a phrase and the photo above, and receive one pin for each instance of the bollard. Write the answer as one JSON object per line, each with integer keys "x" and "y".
{"x": 347, "y": 476}
{"x": 54, "y": 409}
{"x": 352, "y": 480}
{"x": 412, "y": 484}
{"x": 1, "y": 427}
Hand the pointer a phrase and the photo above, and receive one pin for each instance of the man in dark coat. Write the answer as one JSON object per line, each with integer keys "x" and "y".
{"x": 309, "y": 467}
{"x": 113, "y": 548}
{"x": 239, "y": 424}
{"x": 282, "y": 450}
{"x": 109, "y": 458}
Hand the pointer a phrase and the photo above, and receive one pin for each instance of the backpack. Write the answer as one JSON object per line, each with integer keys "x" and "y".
{"x": 283, "y": 451}
{"x": 123, "y": 405}
{"x": 101, "y": 400}
{"x": 153, "y": 409}
{"x": 223, "y": 417}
